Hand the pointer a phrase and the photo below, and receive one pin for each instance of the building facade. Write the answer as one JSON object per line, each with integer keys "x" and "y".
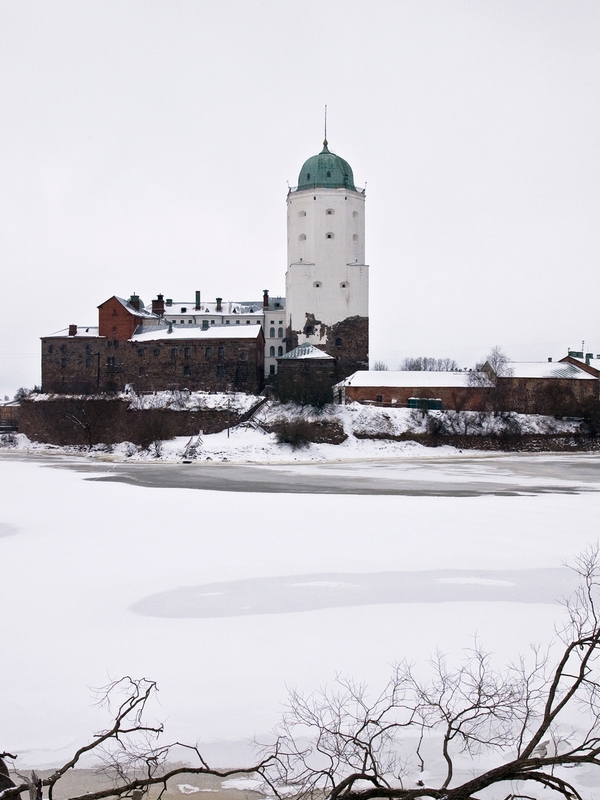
{"x": 268, "y": 312}
{"x": 133, "y": 347}
{"x": 327, "y": 280}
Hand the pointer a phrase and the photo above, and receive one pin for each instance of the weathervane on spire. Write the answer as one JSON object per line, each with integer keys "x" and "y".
{"x": 325, "y": 139}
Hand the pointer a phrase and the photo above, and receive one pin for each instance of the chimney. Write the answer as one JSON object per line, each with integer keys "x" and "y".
{"x": 72, "y": 330}
{"x": 265, "y": 298}
{"x": 549, "y": 359}
{"x": 588, "y": 358}
{"x": 219, "y": 306}
{"x": 169, "y": 301}
{"x": 197, "y": 301}
{"x": 135, "y": 301}
{"x": 158, "y": 305}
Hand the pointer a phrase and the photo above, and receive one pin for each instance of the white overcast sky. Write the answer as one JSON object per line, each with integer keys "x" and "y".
{"x": 145, "y": 146}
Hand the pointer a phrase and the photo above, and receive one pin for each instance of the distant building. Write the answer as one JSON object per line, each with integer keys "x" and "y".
{"x": 268, "y": 312}
{"x": 327, "y": 280}
{"x": 135, "y": 347}
{"x": 523, "y": 387}
{"x": 416, "y": 389}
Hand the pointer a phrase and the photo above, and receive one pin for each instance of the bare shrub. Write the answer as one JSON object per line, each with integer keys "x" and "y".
{"x": 295, "y": 432}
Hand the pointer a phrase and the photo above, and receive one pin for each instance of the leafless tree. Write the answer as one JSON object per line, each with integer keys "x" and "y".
{"x": 380, "y": 366}
{"x": 130, "y": 750}
{"x": 427, "y": 364}
{"x": 495, "y": 365}
{"x": 341, "y": 743}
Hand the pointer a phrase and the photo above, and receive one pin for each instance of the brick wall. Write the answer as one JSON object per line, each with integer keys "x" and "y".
{"x": 544, "y": 395}
{"x": 85, "y": 365}
{"x": 347, "y": 341}
{"x": 457, "y": 398}
{"x": 87, "y": 421}
{"x": 115, "y": 321}
{"x": 522, "y": 395}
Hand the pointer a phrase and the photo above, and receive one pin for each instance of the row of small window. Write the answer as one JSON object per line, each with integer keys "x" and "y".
{"x": 212, "y": 322}
{"x": 208, "y": 353}
{"x": 187, "y": 370}
{"x": 328, "y": 235}
{"x": 272, "y": 351}
{"x": 329, "y": 212}
{"x": 343, "y": 284}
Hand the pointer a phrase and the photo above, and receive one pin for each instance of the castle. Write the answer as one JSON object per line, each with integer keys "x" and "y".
{"x": 237, "y": 345}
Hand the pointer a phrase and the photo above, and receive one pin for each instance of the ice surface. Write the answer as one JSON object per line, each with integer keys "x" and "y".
{"x": 87, "y": 551}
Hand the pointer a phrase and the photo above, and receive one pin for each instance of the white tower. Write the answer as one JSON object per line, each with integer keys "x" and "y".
{"x": 327, "y": 280}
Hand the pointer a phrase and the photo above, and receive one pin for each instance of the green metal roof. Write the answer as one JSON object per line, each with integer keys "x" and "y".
{"x": 327, "y": 171}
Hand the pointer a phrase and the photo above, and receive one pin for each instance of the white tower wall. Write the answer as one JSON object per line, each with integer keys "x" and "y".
{"x": 327, "y": 278}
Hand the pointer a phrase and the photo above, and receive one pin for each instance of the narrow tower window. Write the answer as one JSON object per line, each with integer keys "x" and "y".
{"x": 302, "y": 237}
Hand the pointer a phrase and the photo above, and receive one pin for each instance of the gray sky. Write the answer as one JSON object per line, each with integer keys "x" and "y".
{"x": 145, "y": 146}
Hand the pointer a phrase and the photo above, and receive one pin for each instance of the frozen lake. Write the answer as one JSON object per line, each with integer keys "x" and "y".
{"x": 227, "y": 584}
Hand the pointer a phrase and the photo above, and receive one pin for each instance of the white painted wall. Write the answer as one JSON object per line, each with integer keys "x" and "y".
{"x": 327, "y": 275}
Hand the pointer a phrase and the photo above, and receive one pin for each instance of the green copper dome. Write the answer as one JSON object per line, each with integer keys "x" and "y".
{"x": 326, "y": 171}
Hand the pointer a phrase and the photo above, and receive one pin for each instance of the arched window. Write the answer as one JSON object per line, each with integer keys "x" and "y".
{"x": 271, "y": 333}
{"x": 317, "y": 284}
{"x": 280, "y": 351}
{"x": 330, "y": 211}
{"x": 328, "y": 174}
{"x": 280, "y": 333}
{"x": 302, "y": 237}
{"x": 355, "y": 237}
{"x": 344, "y": 284}
{"x": 272, "y": 351}
{"x": 338, "y": 342}
{"x": 308, "y": 176}
{"x": 330, "y": 235}
{"x": 355, "y": 213}
{"x": 302, "y": 213}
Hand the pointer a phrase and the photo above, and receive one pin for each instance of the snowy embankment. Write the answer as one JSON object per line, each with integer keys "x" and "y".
{"x": 363, "y": 432}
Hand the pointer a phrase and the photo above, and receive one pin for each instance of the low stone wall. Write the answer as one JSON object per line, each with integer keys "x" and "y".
{"x": 514, "y": 443}
{"x": 87, "y": 421}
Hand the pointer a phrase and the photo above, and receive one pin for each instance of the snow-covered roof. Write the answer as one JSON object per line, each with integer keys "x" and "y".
{"x": 546, "y": 369}
{"x": 189, "y": 332}
{"x": 417, "y": 379}
{"x": 132, "y": 310}
{"x": 247, "y": 307}
{"x": 90, "y": 330}
{"x": 304, "y": 351}
{"x": 592, "y": 362}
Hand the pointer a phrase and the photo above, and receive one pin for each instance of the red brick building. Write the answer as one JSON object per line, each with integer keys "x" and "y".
{"x": 524, "y": 387}
{"x": 134, "y": 347}
{"x": 404, "y": 389}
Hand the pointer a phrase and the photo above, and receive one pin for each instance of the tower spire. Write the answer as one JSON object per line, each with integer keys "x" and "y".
{"x": 325, "y": 139}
